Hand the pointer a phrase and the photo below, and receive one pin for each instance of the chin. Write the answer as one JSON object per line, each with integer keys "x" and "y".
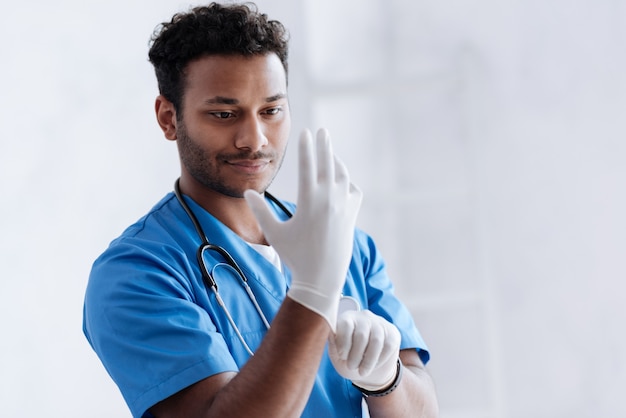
{"x": 257, "y": 187}
{"x": 238, "y": 193}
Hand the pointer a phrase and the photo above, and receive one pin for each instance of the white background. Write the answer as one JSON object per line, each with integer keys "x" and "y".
{"x": 488, "y": 137}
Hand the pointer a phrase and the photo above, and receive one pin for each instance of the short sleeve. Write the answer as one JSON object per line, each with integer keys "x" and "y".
{"x": 380, "y": 293}
{"x": 142, "y": 319}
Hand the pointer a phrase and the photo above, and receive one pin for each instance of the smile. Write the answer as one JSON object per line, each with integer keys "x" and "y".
{"x": 249, "y": 166}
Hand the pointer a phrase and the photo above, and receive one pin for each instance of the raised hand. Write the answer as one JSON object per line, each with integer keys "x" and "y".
{"x": 316, "y": 243}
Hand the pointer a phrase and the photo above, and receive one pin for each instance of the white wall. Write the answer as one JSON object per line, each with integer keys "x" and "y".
{"x": 487, "y": 136}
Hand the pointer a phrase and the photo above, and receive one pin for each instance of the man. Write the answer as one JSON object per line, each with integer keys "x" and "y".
{"x": 178, "y": 346}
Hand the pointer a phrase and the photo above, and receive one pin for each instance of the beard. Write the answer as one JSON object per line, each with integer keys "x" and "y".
{"x": 204, "y": 166}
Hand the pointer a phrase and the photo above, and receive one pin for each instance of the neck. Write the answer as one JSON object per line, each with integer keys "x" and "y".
{"x": 233, "y": 212}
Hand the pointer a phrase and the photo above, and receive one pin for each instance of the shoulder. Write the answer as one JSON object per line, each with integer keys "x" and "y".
{"x": 156, "y": 244}
{"x": 160, "y": 218}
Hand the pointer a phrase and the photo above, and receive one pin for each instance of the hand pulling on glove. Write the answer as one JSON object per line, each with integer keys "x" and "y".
{"x": 316, "y": 243}
{"x": 365, "y": 349}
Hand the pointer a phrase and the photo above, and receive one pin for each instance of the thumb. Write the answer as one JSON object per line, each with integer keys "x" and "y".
{"x": 261, "y": 210}
{"x": 332, "y": 349}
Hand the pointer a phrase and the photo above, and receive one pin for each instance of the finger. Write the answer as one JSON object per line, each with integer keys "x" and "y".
{"x": 266, "y": 218}
{"x": 333, "y": 350}
{"x": 375, "y": 345}
{"x": 356, "y": 192}
{"x": 343, "y": 335}
{"x": 307, "y": 173}
{"x": 355, "y": 199}
{"x": 360, "y": 339}
{"x": 325, "y": 160}
{"x": 391, "y": 346}
{"x": 341, "y": 173}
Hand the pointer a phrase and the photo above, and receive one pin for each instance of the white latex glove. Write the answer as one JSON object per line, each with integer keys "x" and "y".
{"x": 365, "y": 349}
{"x": 316, "y": 243}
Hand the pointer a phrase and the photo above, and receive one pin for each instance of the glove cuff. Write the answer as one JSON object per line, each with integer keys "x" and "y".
{"x": 319, "y": 303}
{"x": 387, "y": 389}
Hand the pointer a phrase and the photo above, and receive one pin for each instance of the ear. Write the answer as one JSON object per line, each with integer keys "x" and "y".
{"x": 166, "y": 117}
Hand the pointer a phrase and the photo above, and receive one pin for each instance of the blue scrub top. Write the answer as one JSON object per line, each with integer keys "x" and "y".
{"x": 156, "y": 329}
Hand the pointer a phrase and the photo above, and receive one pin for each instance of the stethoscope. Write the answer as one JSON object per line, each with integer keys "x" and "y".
{"x": 208, "y": 275}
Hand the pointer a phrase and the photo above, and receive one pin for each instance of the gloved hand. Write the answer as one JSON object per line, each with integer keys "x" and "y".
{"x": 365, "y": 349}
{"x": 316, "y": 243}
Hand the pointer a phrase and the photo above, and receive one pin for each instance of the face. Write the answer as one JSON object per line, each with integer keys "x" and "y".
{"x": 235, "y": 124}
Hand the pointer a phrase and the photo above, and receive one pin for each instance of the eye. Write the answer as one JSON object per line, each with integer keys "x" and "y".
{"x": 273, "y": 111}
{"x": 222, "y": 115}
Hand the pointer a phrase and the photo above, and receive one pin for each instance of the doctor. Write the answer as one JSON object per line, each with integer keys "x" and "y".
{"x": 149, "y": 315}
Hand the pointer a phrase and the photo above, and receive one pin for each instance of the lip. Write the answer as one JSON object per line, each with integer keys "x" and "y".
{"x": 249, "y": 166}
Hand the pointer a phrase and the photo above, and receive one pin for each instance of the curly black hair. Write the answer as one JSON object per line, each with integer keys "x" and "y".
{"x": 216, "y": 29}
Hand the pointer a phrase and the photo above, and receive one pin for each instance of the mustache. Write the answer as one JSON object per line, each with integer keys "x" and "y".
{"x": 246, "y": 155}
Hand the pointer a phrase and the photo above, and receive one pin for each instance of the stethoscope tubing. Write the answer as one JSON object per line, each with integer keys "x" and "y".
{"x": 207, "y": 277}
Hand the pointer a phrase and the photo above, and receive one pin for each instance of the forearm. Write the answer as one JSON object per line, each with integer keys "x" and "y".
{"x": 278, "y": 379}
{"x": 415, "y": 396}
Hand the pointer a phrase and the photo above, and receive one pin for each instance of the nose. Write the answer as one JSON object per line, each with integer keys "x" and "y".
{"x": 251, "y": 135}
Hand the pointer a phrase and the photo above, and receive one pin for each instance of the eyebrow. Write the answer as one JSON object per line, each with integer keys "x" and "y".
{"x": 276, "y": 97}
{"x": 230, "y": 101}
{"x": 221, "y": 100}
